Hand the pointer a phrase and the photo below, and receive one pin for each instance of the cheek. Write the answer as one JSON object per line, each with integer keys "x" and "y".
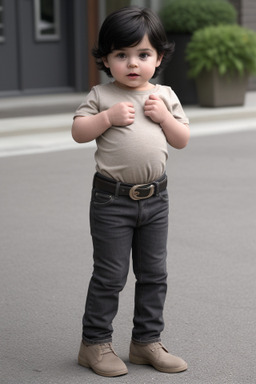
{"x": 116, "y": 67}
{"x": 150, "y": 68}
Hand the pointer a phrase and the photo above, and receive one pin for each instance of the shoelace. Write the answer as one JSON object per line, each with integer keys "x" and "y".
{"x": 106, "y": 348}
{"x": 158, "y": 346}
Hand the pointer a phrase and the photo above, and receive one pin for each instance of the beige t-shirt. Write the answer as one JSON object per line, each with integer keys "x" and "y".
{"x": 136, "y": 153}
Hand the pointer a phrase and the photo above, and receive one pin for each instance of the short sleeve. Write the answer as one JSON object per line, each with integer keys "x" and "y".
{"x": 90, "y": 106}
{"x": 174, "y": 106}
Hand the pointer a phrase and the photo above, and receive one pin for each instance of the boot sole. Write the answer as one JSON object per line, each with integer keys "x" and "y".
{"x": 141, "y": 361}
{"x": 84, "y": 363}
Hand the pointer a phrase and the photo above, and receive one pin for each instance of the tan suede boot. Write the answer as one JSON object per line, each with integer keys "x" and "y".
{"x": 156, "y": 354}
{"x": 102, "y": 359}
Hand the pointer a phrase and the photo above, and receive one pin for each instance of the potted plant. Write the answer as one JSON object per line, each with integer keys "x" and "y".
{"x": 181, "y": 18}
{"x": 221, "y": 58}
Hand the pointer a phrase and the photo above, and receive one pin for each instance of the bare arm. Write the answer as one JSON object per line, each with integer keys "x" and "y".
{"x": 88, "y": 128}
{"x": 177, "y": 134}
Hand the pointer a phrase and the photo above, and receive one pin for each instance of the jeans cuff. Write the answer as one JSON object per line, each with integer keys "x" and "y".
{"x": 96, "y": 342}
{"x": 146, "y": 342}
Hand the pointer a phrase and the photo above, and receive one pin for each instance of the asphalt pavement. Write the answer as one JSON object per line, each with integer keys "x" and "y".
{"x": 46, "y": 259}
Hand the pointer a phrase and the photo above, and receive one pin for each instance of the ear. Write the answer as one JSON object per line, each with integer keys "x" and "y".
{"x": 159, "y": 60}
{"x": 105, "y": 61}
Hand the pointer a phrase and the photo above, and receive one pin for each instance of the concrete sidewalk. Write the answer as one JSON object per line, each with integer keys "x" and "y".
{"x": 42, "y": 123}
{"x": 21, "y": 115}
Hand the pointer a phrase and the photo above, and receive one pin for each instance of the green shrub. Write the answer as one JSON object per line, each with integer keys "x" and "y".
{"x": 187, "y": 16}
{"x": 229, "y": 48}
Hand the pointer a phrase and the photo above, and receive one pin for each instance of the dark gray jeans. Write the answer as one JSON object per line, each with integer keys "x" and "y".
{"x": 119, "y": 225}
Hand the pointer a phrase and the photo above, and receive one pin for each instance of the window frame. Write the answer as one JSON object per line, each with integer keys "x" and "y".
{"x": 39, "y": 37}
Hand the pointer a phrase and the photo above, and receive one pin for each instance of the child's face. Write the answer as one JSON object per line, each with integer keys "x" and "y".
{"x": 133, "y": 67}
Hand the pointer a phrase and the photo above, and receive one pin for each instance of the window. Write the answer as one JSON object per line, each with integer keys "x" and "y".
{"x": 47, "y": 20}
{"x": 1, "y": 21}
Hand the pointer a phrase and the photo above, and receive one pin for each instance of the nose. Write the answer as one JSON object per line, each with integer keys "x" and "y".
{"x": 132, "y": 63}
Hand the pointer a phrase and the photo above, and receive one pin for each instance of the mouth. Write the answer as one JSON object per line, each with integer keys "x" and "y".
{"x": 133, "y": 75}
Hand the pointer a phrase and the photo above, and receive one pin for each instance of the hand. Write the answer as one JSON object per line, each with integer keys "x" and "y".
{"x": 121, "y": 114}
{"x": 156, "y": 109}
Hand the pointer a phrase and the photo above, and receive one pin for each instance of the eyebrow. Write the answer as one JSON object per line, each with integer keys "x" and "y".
{"x": 145, "y": 49}
{"x": 139, "y": 50}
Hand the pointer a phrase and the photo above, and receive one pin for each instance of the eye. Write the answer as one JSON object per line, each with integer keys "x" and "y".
{"x": 121, "y": 55}
{"x": 144, "y": 55}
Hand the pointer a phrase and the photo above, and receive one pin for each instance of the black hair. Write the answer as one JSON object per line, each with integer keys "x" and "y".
{"x": 126, "y": 27}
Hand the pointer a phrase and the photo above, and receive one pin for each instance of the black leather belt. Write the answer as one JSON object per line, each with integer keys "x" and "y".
{"x": 135, "y": 191}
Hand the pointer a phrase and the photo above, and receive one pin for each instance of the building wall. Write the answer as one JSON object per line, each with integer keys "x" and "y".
{"x": 248, "y": 13}
{"x": 247, "y": 18}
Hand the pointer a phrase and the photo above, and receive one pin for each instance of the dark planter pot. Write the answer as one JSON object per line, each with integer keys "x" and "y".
{"x": 176, "y": 73}
{"x": 215, "y": 90}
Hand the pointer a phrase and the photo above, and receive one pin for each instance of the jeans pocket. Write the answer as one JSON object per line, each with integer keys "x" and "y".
{"x": 164, "y": 195}
{"x": 101, "y": 198}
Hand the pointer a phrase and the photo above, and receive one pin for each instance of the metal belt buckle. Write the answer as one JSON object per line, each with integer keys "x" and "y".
{"x": 135, "y": 195}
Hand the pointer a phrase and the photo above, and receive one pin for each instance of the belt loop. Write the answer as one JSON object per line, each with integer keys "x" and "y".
{"x": 117, "y": 188}
{"x": 156, "y": 188}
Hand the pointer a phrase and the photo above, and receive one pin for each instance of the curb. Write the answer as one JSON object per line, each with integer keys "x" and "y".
{"x": 35, "y": 125}
{"x": 50, "y": 114}
{"x": 197, "y": 115}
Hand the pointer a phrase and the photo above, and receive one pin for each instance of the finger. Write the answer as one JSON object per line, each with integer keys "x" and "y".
{"x": 149, "y": 102}
{"x": 153, "y": 97}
